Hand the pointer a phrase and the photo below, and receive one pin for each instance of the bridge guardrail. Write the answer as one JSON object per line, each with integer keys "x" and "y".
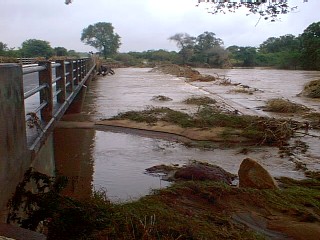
{"x": 55, "y": 87}
{"x": 59, "y": 83}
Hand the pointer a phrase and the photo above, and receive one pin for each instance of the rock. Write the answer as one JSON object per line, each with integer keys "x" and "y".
{"x": 253, "y": 175}
{"x": 203, "y": 171}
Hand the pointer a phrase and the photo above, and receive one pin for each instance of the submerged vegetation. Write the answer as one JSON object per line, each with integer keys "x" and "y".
{"x": 200, "y": 101}
{"x": 284, "y": 106}
{"x": 314, "y": 119}
{"x": 184, "y": 71}
{"x": 312, "y": 89}
{"x": 161, "y": 98}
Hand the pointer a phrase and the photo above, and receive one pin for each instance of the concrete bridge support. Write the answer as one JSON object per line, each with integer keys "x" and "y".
{"x": 14, "y": 154}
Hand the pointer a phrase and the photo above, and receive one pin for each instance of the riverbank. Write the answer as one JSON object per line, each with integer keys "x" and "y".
{"x": 193, "y": 209}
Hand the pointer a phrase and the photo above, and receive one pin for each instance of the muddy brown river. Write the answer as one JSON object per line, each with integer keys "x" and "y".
{"x": 115, "y": 160}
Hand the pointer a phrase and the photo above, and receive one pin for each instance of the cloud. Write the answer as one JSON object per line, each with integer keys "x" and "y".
{"x": 142, "y": 24}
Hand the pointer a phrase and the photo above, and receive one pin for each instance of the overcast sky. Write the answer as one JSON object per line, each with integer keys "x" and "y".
{"x": 141, "y": 24}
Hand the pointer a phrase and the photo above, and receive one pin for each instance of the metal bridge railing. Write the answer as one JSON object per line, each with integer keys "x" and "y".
{"x": 59, "y": 83}
{"x": 24, "y": 61}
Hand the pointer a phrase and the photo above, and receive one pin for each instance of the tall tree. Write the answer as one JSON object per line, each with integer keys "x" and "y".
{"x": 286, "y": 42}
{"x": 185, "y": 43}
{"x": 36, "y": 48}
{"x": 243, "y": 56}
{"x": 3, "y": 48}
{"x": 311, "y": 47}
{"x": 218, "y": 57}
{"x": 207, "y": 40}
{"x": 60, "y": 51}
{"x": 73, "y": 53}
{"x": 102, "y": 37}
{"x": 209, "y": 47}
{"x": 281, "y": 52}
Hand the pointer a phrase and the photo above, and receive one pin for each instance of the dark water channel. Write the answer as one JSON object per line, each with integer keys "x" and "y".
{"x": 116, "y": 161}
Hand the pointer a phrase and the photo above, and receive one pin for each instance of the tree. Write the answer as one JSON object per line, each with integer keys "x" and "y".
{"x": 204, "y": 50}
{"x": 185, "y": 43}
{"x": 60, "y": 51}
{"x": 207, "y": 40}
{"x": 282, "y": 52}
{"x": 73, "y": 53}
{"x": 218, "y": 57}
{"x": 3, "y": 48}
{"x": 36, "y": 48}
{"x": 152, "y": 56}
{"x": 127, "y": 59}
{"x": 207, "y": 46}
{"x": 243, "y": 56}
{"x": 267, "y": 9}
{"x": 5, "y": 51}
{"x": 310, "y": 39}
{"x": 283, "y": 43}
{"x": 102, "y": 37}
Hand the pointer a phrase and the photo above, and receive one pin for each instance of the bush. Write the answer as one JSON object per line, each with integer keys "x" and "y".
{"x": 284, "y": 106}
{"x": 312, "y": 89}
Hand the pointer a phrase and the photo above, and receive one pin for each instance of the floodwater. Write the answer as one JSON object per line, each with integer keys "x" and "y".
{"x": 268, "y": 83}
{"x": 116, "y": 161}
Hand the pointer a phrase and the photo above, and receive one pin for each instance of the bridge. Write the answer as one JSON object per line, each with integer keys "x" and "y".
{"x": 29, "y": 117}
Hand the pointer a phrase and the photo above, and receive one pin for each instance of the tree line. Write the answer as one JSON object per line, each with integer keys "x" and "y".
{"x": 284, "y": 52}
{"x": 33, "y": 48}
{"x": 205, "y": 50}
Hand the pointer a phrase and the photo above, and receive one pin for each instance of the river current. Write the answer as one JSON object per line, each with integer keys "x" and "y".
{"x": 116, "y": 161}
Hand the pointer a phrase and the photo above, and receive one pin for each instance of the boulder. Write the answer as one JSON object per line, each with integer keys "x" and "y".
{"x": 204, "y": 171}
{"x": 253, "y": 175}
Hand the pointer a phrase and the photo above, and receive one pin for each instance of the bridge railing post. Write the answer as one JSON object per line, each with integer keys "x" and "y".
{"x": 76, "y": 66}
{"x": 61, "y": 84}
{"x": 46, "y": 94}
{"x": 81, "y": 69}
{"x": 86, "y": 66}
{"x": 69, "y": 76}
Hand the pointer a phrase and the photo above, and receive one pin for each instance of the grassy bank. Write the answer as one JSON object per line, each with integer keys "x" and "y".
{"x": 260, "y": 130}
{"x": 186, "y": 210}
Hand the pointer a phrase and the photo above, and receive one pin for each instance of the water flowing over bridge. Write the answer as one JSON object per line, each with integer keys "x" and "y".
{"x": 29, "y": 117}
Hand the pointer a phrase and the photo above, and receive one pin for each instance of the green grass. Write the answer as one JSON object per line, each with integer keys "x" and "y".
{"x": 261, "y": 130}
{"x": 186, "y": 210}
{"x": 153, "y": 115}
{"x": 200, "y": 101}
